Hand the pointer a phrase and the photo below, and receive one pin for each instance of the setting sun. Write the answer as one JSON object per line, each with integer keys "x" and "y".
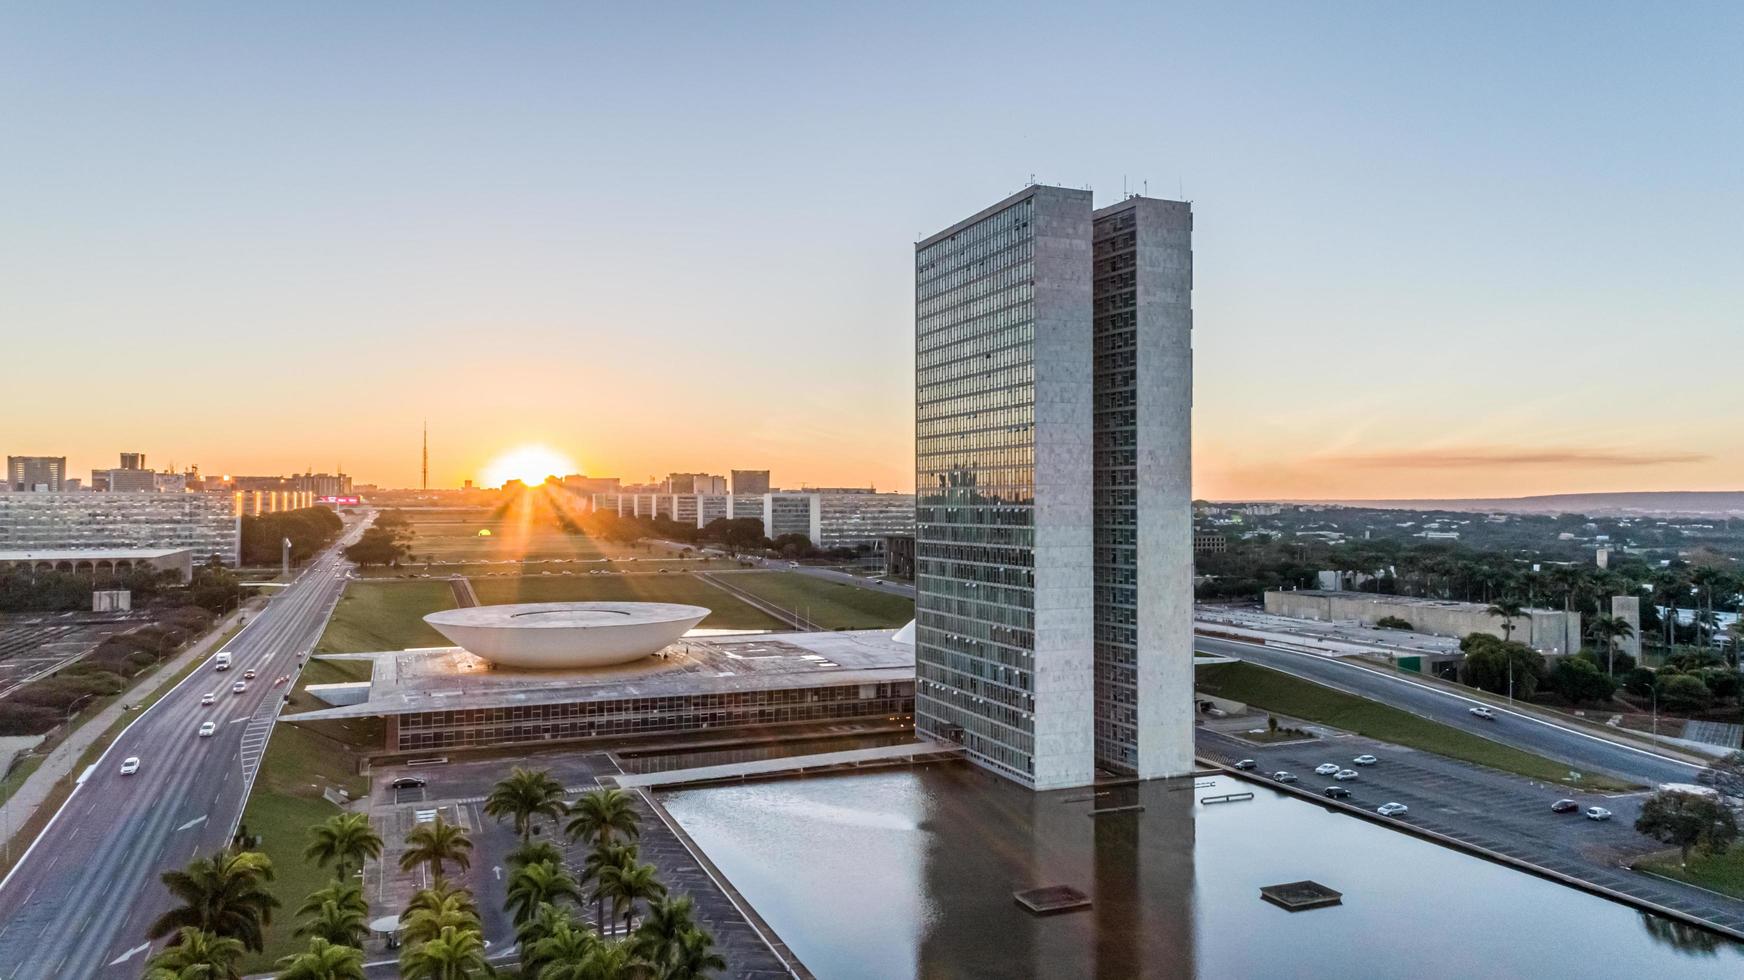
{"x": 529, "y": 464}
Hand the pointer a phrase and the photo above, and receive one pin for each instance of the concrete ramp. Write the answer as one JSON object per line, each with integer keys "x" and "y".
{"x": 822, "y": 762}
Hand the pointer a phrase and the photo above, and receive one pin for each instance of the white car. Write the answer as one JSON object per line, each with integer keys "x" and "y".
{"x": 1597, "y": 813}
{"x": 130, "y": 765}
{"x": 1365, "y": 760}
{"x": 1484, "y": 713}
{"x": 238, "y": 687}
{"x": 1346, "y": 775}
{"x": 1392, "y": 809}
{"x": 208, "y": 729}
{"x": 208, "y": 698}
{"x": 1326, "y": 769}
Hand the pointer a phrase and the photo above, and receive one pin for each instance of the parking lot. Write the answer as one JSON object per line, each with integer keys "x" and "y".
{"x": 35, "y": 642}
{"x": 1494, "y": 810}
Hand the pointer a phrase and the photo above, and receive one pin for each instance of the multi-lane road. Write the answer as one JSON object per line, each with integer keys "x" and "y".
{"x": 79, "y": 903}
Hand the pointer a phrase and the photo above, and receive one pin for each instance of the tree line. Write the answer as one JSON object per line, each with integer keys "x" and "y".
{"x": 224, "y": 904}
{"x": 308, "y": 528}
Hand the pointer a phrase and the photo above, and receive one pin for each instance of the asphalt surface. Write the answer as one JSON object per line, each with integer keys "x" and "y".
{"x": 79, "y": 902}
{"x": 1582, "y": 752}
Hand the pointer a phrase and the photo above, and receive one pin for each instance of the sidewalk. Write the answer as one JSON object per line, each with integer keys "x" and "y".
{"x": 60, "y": 762}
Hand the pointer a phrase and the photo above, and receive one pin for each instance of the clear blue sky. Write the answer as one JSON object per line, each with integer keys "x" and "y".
{"x": 1441, "y": 250}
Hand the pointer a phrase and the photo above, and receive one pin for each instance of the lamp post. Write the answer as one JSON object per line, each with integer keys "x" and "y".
{"x": 75, "y": 704}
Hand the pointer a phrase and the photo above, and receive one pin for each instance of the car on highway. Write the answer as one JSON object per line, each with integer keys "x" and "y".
{"x": 238, "y": 687}
{"x": 1326, "y": 769}
{"x": 248, "y": 674}
{"x": 1346, "y": 775}
{"x": 208, "y": 729}
{"x": 1337, "y": 792}
{"x": 1284, "y": 777}
{"x": 1564, "y": 806}
{"x": 1597, "y": 813}
{"x": 1365, "y": 760}
{"x": 130, "y": 765}
{"x": 1392, "y": 809}
{"x": 1245, "y": 764}
{"x": 408, "y": 782}
{"x": 208, "y": 697}
{"x": 1484, "y": 713}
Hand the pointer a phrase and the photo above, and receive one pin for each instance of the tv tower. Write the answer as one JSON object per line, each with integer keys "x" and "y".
{"x": 426, "y": 454}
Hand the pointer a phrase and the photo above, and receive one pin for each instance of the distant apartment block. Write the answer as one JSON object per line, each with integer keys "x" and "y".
{"x": 1209, "y": 543}
{"x": 1549, "y": 631}
{"x": 753, "y": 483}
{"x": 696, "y": 483}
{"x": 204, "y": 524}
{"x": 29, "y": 474}
{"x": 1053, "y": 528}
{"x": 828, "y": 518}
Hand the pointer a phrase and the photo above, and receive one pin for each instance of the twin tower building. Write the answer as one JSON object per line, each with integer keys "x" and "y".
{"x": 1053, "y": 525}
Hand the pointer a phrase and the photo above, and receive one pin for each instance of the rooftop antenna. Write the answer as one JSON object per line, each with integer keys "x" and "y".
{"x": 426, "y": 454}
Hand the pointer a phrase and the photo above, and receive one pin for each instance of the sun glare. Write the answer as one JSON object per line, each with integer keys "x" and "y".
{"x": 529, "y": 464}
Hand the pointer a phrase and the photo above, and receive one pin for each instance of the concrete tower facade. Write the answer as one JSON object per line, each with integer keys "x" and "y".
{"x": 1049, "y": 460}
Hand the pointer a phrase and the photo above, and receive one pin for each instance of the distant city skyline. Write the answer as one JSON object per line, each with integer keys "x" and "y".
{"x": 1490, "y": 252}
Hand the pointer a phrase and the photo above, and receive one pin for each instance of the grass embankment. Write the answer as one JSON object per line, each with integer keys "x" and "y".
{"x": 375, "y": 616}
{"x": 1286, "y": 695}
{"x": 304, "y": 760}
{"x": 1723, "y": 874}
{"x": 832, "y": 605}
{"x": 726, "y": 610}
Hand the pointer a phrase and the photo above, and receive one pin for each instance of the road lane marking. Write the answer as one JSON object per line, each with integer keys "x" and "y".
{"x": 235, "y": 720}
{"x": 193, "y": 823}
{"x": 130, "y": 954}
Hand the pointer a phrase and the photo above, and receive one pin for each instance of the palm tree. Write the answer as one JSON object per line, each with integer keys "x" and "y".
{"x": 422, "y": 924}
{"x": 345, "y": 894}
{"x": 436, "y": 843}
{"x": 1669, "y": 588}
{"x": 537, "y": 852}
{"x": 602, "y": 815}
{"x": 667, "y": 920}
{"x": 323, "y": 961}
{"x": 525, "y": 795}
{"x": 694, "y": 958}
{"x": 454, "y": 954}
{"x": 544, "y": 921}
{"x": 602, "y": 857}
{"x": 336, "y": 924}
{"x": 534, "y": 885}
{"x": 1509, "y": 610}
{"x": 561, "y": 953}
{"x": 442, "y": 895}
{"x": 345, "y": 840}
{"x": 627, "y": 884}
{"x": 1608, "y": 629}
{"x": 224, "y": 894}
{"x": 198, "y": 953}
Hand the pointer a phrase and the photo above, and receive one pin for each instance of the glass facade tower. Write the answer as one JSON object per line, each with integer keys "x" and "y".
{"x": 1044, "y": 491}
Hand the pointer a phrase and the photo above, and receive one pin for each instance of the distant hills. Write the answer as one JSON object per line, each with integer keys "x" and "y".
{"x": 1656, "y": 503}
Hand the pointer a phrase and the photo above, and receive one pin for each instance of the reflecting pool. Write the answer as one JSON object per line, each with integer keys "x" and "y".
{"x": 910, "y": 872}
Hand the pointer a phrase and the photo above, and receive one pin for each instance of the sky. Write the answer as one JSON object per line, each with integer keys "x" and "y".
{"x": 1440, "y": 250}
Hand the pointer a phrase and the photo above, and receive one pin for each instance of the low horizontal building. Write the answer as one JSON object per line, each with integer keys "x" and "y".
{"x": 100, "y": 564}
{"x": 205, "y": 524}
{"x": 448, "y": 698}
{"x": 1549, "y": 631}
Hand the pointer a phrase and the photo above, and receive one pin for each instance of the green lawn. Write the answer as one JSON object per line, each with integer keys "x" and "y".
{"x": 1287, "y": 695}
{"x": 1722, "y": 874}
{"x": 727, "y": 611}
{"x": 832, "y": 605}
{"x": 376, "y": 616}
{"x": 513, "y": 567}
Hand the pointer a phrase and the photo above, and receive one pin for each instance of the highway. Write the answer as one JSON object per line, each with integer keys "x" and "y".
{"x": 1581, "y": 751}
{"x": 79, "y": 902}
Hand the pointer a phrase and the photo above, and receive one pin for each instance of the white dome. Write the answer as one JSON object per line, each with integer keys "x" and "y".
{"x": 559, "y": 635}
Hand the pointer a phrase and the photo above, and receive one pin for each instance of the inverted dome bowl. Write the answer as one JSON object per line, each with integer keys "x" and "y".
{"x": 566, "y": 635}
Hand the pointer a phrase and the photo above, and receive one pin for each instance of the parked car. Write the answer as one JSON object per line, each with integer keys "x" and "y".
{"x": 130, "y": 765}
{"x": 1484, "y": 713}
{"x": 1392, "y": 809}
{"x": 1337, "y": 792}
{"x": 408, "y": 782}
{"x": 1346, "y": 775}
{"x": 1326, "y": 769}
{"x": 1564, "y": 806}
{"x": 208, "y": 698}
{"x": 1365, "y": 760}
{"x": 1245, "y": 764}
{"x": 1597, "y": 813}
{"x": 208, "y": 729}
{"x": 1284, "y": 777}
